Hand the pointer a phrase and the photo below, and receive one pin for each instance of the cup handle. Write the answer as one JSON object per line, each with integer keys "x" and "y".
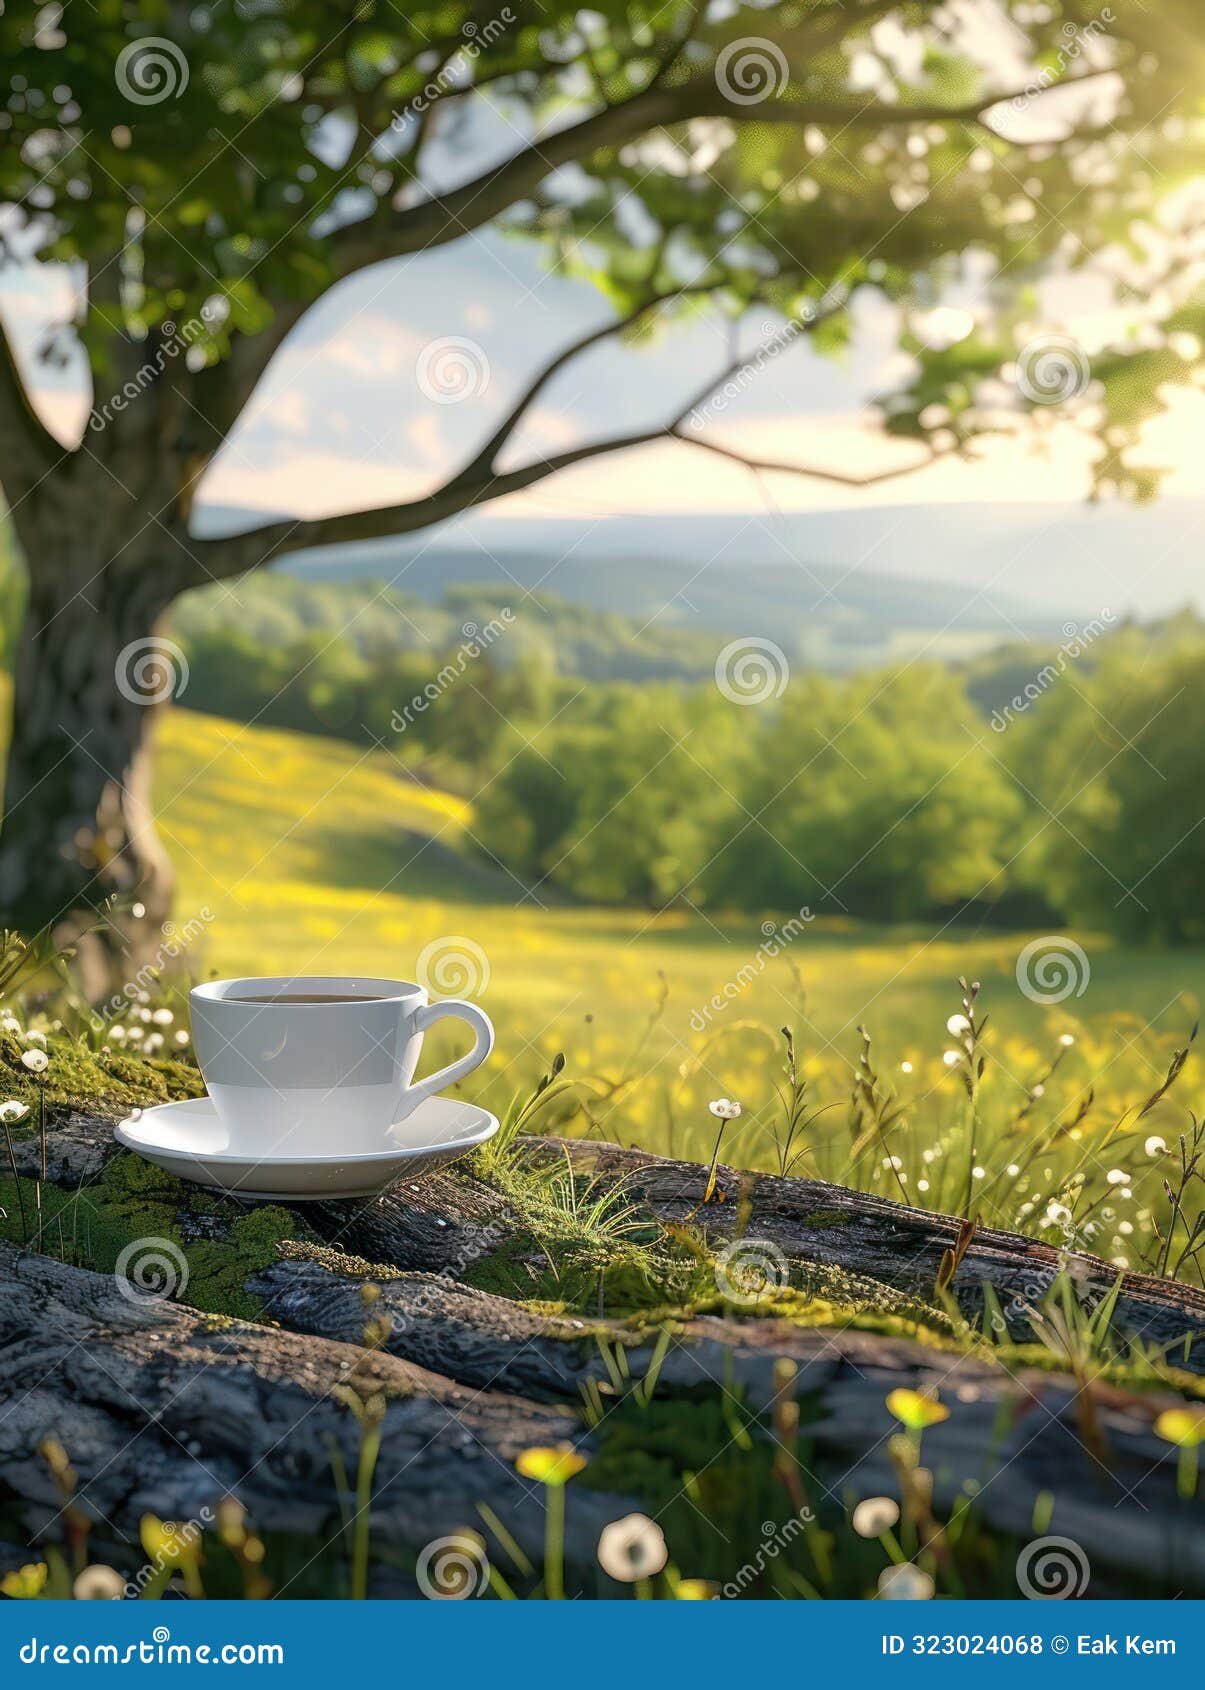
{"x": 458, "y": 1009}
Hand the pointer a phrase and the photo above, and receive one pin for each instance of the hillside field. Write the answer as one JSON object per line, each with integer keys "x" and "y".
{"x": 313, "y": 857}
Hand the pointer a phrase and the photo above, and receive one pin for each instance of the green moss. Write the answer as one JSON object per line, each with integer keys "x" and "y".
{"x": 132, "y": 1201}
{"x": 823, "y": 1218}
{"x": 78, "y": 1079}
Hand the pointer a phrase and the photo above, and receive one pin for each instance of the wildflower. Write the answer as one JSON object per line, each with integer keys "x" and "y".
{"x": 726, "y": 1108}
{"x": 154, "y": 1041}
{"x": 27, "y": 1582}
{"x": 694, "y": 1590}
{"x": 1117, "y": 1176}
{"x": 632, "y": 1548}
{"x": 878, "y": 1514}
{"x": 36, "y": 1038}
{"x": 1012, "y": 1170}
{"x": 163, "y": 1541}
{"x": 1156, "y": 1146}
{"x": 1038, "y": 1091}
{"x": 163, "y": 1018}
{"x": 1066, "y": 1039}
{"x": 144, "y": 1015}
{"x": 922, "y": 1185}
{"x": 12, "y": 1111}
{"x": 136, "y": 1033}
{"x": 905, "y": 1583}
{"x": 10, "y": 1024}
{"x": 99, "y": 1583}
{"x": 958, "y": 1024}
{"x": 550, "y": 1465}
{"x": 1184, "y": 1427}
{"x": 977, "y": 1173}
{"x": 117, "y": 1034}
{"x": 916, "y": 1409}
{"x": 181, "y": 1037}
{"x": 1058, "y": 1214}
{"x": 36, "y": 1061}
{"x": 905, "y": 1067}
{"x": 950, "y": 1057}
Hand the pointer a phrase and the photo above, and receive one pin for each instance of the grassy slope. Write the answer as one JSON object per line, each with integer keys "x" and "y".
{"x": 316, "y": 858}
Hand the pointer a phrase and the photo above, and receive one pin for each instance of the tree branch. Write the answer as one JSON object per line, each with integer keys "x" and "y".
{"x": 477, "y": 484}
{"x": 436, "y": 221}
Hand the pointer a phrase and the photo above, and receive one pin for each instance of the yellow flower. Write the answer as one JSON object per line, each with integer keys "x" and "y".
{"x": 164, "y": 1541}
{"x": 917, "y": 1409}
{"x": 1184, "y": 1427}
{"x": 694, "y": 1590}
{"x": 26, "y": 1583}
{"x": 551, "y": 1466}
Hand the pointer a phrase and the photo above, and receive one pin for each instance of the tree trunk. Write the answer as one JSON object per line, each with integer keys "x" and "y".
{"x": 77, "y": 822}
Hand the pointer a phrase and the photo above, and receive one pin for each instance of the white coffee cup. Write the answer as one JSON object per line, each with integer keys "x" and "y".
{"x": 286, "y": 1059}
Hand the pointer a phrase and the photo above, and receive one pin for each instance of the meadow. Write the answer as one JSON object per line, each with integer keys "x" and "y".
{"x": 309, "y": 855}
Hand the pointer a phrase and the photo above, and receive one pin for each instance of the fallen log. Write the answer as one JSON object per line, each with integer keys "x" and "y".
{"x": 832, "y": 1226}
{"x": 448, "y": 1221}
{"x": 1013, "y": 1435}
{"x": 164, "y": 1411}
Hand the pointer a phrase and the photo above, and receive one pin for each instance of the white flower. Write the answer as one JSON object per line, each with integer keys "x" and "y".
{"x": 153, "y": 1041}
{"x": 1156, "y": 1146}
{"x": 950, "y": 1057}
{"x": 13, "y": 1111}
{"x": 10, "y": 1024}
{"x": 36, "y": 1038}
{"x": 976, "y": 1173}
{"x": 135, "y": 1033}
{"x": 117, "y": 1034}
{"x": 632, "y": 1548}
{"x": 1066, "y": 1038}
{"x": 163, "y": 1018}
{"x": 144, "y": 1015}
{"x": 1038, "y": 1091}
{"x": 36, "y": 1061}
{"x": 878, "y": 1514}
{"x": 1117, "y": 1176}
{"x": 905, "y": 1067}
{"x": 181, "y": 1037}
{"x": 905, "y": 1584}
{"x": 1057, "y": 1214}
{"x": 1012, "y": 1170}
{"x": 958, "y": 1024}
{"x": 922, "y": 1185}
{"x": 98, "y": 1583}
{"x": 727, "y": 1108}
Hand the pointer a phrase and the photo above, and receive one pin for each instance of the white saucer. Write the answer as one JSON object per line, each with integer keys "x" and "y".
{"x": 188, "y": 1140}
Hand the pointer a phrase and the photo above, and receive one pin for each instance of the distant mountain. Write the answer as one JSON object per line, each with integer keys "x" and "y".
{"x": 844, "y": 587}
